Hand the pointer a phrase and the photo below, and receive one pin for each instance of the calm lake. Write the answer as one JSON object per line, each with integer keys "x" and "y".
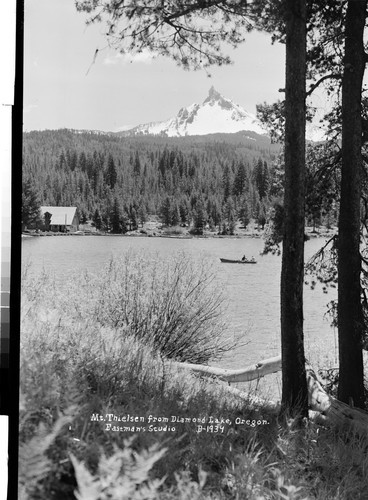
{"x": 251, "y": 291}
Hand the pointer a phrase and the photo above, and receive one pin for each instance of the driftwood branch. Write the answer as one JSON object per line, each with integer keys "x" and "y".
{"x": 252, "y": 372}
{"x": 332, "y": 411}
{"x": 325, "y": 409}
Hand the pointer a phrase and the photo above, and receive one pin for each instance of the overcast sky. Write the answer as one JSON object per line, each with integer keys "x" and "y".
{"x": 62, "y": 88}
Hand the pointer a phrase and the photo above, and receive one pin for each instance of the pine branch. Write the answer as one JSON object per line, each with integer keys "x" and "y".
{"x": 315, "y": 85}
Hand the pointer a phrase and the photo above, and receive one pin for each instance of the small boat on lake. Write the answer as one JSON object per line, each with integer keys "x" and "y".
{"x": 241, "y": 261}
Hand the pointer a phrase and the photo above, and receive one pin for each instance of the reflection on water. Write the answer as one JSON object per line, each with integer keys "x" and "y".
{"x": 251, "y": 291}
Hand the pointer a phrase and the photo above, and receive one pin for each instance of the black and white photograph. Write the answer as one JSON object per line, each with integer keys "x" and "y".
{"x": 194, "y": 264}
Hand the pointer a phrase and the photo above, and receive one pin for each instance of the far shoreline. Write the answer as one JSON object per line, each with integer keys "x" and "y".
{"x": 153, "y": 228}
{"x": 310, "y": 233}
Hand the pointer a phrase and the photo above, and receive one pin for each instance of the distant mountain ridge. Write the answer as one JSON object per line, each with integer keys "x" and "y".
{"x": 216, "y": 114}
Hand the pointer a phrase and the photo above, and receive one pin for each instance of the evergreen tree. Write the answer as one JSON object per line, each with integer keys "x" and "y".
{"x": 62, "y": 161}
{"x": 165, "y": 211}
{"x": 261, "y": 219}
{"x": 133, "y": 218}
{"x": 106, "y": 222}
{"x": 350, "y": 315}
{"x": 137, "y": 164}
{"x": 230, "y": 215}
{"x": 199, "y": 217}
{"x": 111, "y": 173}
{"x": 294, "y": 383}
{"x": 175, "y": 214}
{"x": 116, "y": 218}
{"x": 261, "y": 177}
{"x": 226, "y": 177}
{"x": 254, "y": 202}
{"x": 83, "y": 216}
{"x": 72, "y": 159}
{"x": 266, "y": 180}
{"x": 82, "y": 162}
{"x": 97, "y": 220}
{"x": 240, "y": 180}
{"x": 142, "y": 213}
{"x": 184, "y": 209}
{"x": 89, "y": 166}
{"x": 31, "y": 215}
{"x": 244, "y": 212}
{"x": 176, "y": 174}
{"x": 216, "y": 213}
{"x": 164, "y": 162}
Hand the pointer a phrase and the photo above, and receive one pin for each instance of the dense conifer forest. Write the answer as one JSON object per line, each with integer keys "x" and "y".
{"x": 118, "y": 182}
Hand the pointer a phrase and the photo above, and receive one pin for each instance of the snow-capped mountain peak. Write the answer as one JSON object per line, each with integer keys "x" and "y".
{"x": 216, "y": 114}
{"x": 215, "y": 97}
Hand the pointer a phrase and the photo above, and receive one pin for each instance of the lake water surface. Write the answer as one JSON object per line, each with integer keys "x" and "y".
{"x": 252, "y": 291}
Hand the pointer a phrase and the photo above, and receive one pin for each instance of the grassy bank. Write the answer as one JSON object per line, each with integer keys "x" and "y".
{"x": 102, "y": 346}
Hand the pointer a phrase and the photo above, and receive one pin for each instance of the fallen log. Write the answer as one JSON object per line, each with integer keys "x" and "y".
{"x": 325, "y": 408}
{"x": 331, "y": 411}
{"x": 252, "y": 372}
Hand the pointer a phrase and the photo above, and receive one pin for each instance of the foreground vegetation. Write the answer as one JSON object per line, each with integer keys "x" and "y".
{"x": 104, "y": 344}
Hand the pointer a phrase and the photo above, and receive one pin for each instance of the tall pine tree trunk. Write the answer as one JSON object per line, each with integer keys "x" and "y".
{"x": 294, "y": 386}
{"x": 350, "y": 318}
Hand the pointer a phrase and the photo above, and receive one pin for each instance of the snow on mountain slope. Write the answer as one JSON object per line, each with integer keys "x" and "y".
{"x": 216, "y": 114}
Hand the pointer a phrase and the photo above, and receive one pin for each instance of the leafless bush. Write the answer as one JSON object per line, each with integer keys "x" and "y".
{"x": 173, "y": 305}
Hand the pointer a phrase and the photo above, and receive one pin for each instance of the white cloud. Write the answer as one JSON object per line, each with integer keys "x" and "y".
{"x": 143, "y": 57}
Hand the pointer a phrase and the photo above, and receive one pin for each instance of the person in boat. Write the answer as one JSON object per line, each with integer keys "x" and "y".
{"x": 244, "y": 259}
{"x": 252, "y": 259}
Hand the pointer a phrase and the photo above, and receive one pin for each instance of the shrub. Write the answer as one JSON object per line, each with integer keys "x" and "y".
{"x": 174, "y": 231}
{"x": 173, "y": 306}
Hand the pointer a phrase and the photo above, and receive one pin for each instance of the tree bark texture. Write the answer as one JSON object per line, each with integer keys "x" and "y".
{"x": 350, "y": 318}
{"x": 294, "y": 386}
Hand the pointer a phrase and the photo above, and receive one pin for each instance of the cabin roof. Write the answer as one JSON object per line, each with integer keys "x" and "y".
{"x": 60, "y": 216}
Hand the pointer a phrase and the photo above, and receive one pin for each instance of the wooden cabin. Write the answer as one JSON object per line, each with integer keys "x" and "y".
{"x": 60, "y": 219}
